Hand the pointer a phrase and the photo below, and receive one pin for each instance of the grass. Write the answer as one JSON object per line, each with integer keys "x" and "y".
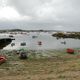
{"x": 57, "y": 66}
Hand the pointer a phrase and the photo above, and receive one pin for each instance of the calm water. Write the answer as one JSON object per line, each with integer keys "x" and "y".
{"x": 48, "y": 42}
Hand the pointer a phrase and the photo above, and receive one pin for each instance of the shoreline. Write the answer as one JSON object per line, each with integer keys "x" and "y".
{"x": 39, "y": 54}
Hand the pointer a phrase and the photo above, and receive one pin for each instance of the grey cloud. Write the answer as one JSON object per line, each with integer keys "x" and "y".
{"x": 61, "y": 9}
{"x": 26, "y": 6}
{"x": 65, "y": 13}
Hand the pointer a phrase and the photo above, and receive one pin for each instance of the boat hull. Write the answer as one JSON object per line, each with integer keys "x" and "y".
{"x": 4, "y": 42}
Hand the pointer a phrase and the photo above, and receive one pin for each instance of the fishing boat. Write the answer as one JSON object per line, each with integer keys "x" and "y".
{"x": 4, "y": 42}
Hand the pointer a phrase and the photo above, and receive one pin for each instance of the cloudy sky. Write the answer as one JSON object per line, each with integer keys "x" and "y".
{"x": 40, "y": 14}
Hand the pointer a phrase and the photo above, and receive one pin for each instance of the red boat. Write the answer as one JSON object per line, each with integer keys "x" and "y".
{"x": 69, "y": 50}
{"x": 2, "y": 59}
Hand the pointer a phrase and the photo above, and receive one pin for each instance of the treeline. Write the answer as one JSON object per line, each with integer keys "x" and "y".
{"x": 74, "y": 35}
{"x": 11, "y": 30}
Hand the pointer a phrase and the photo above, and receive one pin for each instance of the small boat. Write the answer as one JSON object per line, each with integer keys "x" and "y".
{"x": 23, "y": 44}
{"x": 39, "y": 43}
{"x": 69, "y": 50}
{"x": 57, "y": 38}
{"x": 11, "y": 36}
{"x": 34, "y": 36}
{"x": 2, "y": 59}
{"x": 4, "y": 42}
{"x": 63, "y": 42}
{"x": 12, "y": 44}
{"x": 23, "y": 55}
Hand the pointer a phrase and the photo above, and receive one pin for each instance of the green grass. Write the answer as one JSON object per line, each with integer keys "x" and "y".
{"x": 49, "y": 65}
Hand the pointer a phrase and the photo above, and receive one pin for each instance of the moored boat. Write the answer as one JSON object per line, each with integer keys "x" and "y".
{"x": 2, "y": 59}
{"x": 4, "y": 42}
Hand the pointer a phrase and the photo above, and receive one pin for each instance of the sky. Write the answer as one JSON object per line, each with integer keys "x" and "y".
{"x": 40, "y": 14}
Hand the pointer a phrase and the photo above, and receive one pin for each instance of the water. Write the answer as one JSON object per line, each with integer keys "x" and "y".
{"x": 48, "y": 42}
